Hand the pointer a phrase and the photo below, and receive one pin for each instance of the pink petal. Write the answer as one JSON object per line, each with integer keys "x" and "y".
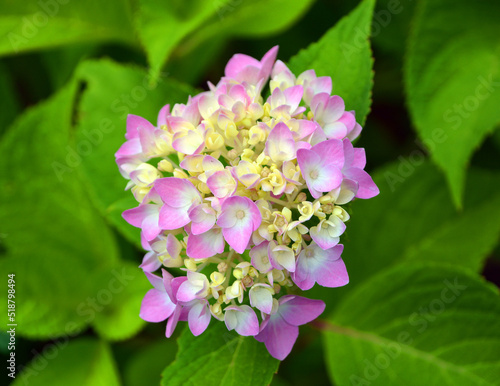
{"x": 308, "y": 161}
{"x": 237, "y": 63}
{"x": 321, "y": 84}
{"x": 328, "y": 237}
{"x": 191, "y": 142}
{"x": 206, "y": 244}
{"x": 267, "y": 62}
{"x": 306, "y": 128}
{"x": 153, "y": 196}
{"x": 249, "y": 74}
{"x": 261, "y": 298}
{"x": 297, "y": 310}
{"x": 175, "y": 284}
{"x": 325, "y": 267}
{"x": 333, "y": 275}
{"x": 331, "y": 152}
{"x": 280, "y": 145}
{"x": 187, "y": 292}
{"x": 238, "y": 93}
{"x": 302, "y": 276}
{"x": 280, "y": 67}
{"x": 156, "y": 281}
{"x": 278, "y": 336}
{"x": 346, "y": 192}
{"x": 348, "y": 153}
{"x": 199, "y": 317}
{"x": 307, "y": 76}
{"x": 334, "y": 109}
{"x": 150, "y": 262}
{"x": 366, "y": 186}
{"x": 156, "y": 306}
{"x": 319, "y": 103}
{"x": 192, "y": 113}
{"x": 277, "y": 99}
{"x": 237, "y": 231}
{"x": 132, "y": 147}
{"x": 242, "y": 319}
{"x": 145, "y": 243}
{"x": 239, "y": 235}
{"x": 328, "y": 178}
{"x": 322, "y": 238}
{"x": 355, "y": 132}
{"x": 210, "y": 163}
{"x": 167, "y": 279}
{"x": 162, "y": 115}
{"x": 335, "y": 130}
{"x": 150, "y": 226}
{"x": 172, "y": 321}
{"x": 174, "y": 247}
{"x": 260, "y": 257}
{"x": 198, "y": 228}
{"x": 359, "y": 160}
{"x": 148, "y": 138}
{"x": 293, "y": 96}
{"x": 173, "y": 218}
{"x": 281, "y": 257}
{"x": 222, "y": 184}
{"x": 192, "y": 163}
{"x": 202, "y": 217}
{"x": 302, "y": 145}
{"x": 177, "y": 192}
{"x": 349, "y": 120}
{"x": 208, "y": 105}
{"x": 227, "y": 219}
{"x": 317, "y": 136}
{"x": 136, "y": 216}
{"x": 134, "y": 122}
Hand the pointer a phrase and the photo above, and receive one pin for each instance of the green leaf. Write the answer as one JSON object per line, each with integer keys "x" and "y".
{"x": 413, "y": 219}
{"x": 417, "y": 324}
{"x": 211, "y": 20}
{"x": 48, "y": 207}
{"x": 147, "y": 364}
{"x": 51, "y": 293}
{"x": 390, "y": 28}
{"x": 496, "y": 138}
{"x": 113, "y": 91}
{"x": 238, "y": 18}
{"x": 84, "y": 362}
{"x": 108, "y": 298}
{"x": 432, "y": 230}
{"x": 218, "y": 357}
{"x": 30, "y": 25}
{"x": 344, "y": 54}
{"x": 193, "y": 66}
{"x": 119, "y": 318}
{"x": 52, "y": 234}
{"x": 452, "y": 78}
{"x": 9, "y": 98}
{"x": 60, "y": 63}
{"x": 161, "y": 25}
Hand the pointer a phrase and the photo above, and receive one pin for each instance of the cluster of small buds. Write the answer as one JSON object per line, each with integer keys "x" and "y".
{"x": 244, "y": 196}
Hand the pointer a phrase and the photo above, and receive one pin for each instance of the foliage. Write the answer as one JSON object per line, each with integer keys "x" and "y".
{"x": 418, "y": 309}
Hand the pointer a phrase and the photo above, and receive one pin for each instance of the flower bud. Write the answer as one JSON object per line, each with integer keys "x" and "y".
{"x": 165, "y": 166}
{"x": 222, "y": 267}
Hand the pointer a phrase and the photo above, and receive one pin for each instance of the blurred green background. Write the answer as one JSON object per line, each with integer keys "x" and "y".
{"x": 422, "y": 307}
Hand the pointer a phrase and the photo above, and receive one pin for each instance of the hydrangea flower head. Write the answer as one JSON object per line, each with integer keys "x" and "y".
{"x": 246, "y": 194}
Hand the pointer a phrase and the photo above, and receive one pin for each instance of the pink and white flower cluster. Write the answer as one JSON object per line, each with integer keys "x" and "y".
{"x": 245, "y": 196}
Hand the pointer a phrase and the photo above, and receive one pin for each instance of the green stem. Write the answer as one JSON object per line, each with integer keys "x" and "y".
{"x": 281, "y": 202}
